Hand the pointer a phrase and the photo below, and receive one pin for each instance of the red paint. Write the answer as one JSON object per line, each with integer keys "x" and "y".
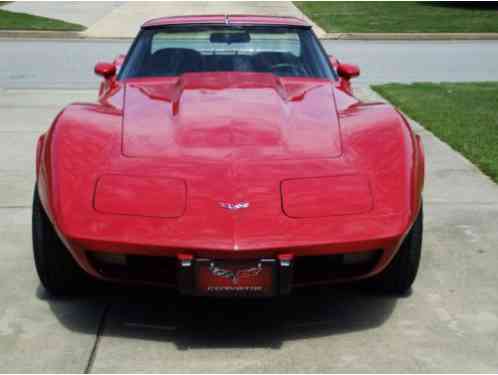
{"x": 124, "y": 195}
{"x": 223, "y": 116}
{"x": 113, "y": 175}
{"x": 326, "y": 196}
{"x": 221, "y": 19}
{"x": 184, "y": 257}
{"x": 105, "y": 70}
{"x": 108, "y": 72}
{"x": 345, "y": 72}
{"x": 348, "y": 71}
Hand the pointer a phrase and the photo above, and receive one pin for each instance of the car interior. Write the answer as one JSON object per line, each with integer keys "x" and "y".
{"x": 176, "y": 61}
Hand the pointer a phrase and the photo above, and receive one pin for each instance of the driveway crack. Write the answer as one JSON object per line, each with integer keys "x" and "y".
{"x": 100, "y": 330}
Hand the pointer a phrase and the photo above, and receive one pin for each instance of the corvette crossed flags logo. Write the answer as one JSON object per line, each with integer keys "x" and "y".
{"x": 234, "y": 206}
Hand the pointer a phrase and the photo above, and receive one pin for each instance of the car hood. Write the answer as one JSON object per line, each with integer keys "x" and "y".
{"x": 222, "y": 116}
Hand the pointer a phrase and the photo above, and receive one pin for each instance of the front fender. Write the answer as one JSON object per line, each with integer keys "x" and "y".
{"x": 72, "y": 154}
{"x": 379, "y": 141}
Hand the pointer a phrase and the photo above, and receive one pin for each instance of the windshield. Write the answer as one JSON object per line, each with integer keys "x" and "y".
{"x": 172, "y": 51}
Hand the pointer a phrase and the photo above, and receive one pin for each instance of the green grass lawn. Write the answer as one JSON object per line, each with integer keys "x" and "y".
{"x": 23, "y": 21}
{"x": 464, "y": 115}
{"x": 402, "y": 17}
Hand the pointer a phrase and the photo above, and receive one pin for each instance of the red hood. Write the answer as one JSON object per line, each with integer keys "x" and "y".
{"x": 220, "y": 116}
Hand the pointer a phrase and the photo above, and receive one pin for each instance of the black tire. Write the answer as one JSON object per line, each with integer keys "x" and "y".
{"x": 58, "y": 271}
{"x": 400, "y": 274}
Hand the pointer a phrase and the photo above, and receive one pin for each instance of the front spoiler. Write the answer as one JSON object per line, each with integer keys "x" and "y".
{"x": 180, "y": 272}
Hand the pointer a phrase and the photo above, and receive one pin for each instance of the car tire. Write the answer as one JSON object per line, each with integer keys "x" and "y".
{"x": 58, "y": 271}
{"x": 400, "y": 274}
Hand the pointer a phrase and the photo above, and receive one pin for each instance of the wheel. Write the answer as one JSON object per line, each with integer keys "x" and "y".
{"x": 399, "y": 275}
{"x": 58, "y": 271}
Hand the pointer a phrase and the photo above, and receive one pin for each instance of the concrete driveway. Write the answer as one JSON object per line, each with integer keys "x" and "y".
{"x": 448, "y": 323}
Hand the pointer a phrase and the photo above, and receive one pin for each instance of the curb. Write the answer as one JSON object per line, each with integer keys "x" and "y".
{"x": 410, "y": 36}
{"x": 34, "y": 34}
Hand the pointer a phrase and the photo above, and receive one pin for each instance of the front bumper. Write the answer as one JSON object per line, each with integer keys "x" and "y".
{"x": 182, "y": 272}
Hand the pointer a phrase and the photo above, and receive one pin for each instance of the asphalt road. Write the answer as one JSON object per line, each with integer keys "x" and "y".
{"x": 448, "y": 323}
{"x": 69, "y": 64}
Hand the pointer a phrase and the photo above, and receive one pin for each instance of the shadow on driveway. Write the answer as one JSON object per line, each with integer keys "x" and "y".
{"x": 192, "y": 323}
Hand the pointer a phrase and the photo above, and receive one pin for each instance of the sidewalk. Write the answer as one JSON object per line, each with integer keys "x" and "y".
{"x": 83, "y": 13}
{"x": 125, "y": 21}
{"x": 122, "y": 20}
{"x": 410, "y": 36}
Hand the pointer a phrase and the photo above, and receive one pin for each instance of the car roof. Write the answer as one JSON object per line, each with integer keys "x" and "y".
{"x": 222, "y": 19}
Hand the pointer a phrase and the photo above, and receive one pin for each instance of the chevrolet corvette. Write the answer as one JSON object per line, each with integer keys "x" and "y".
{"x": 227, "y": 156}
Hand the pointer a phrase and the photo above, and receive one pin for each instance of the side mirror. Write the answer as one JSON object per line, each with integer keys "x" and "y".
{"x": 348, "y": 71}
{"x": 105, "y": 70}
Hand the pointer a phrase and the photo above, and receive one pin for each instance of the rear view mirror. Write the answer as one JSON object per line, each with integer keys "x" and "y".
{"x": 105, "y": 70}
{"x": 230, "y": 37}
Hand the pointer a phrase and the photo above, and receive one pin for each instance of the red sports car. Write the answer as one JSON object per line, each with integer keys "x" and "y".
{"x": 227, "y": 156}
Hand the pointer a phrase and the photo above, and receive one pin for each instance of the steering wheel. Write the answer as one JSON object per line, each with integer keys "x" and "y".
{"x": 294, "y": 68}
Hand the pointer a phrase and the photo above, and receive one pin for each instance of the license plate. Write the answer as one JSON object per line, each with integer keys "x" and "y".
{"x": 251, "y": 278}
